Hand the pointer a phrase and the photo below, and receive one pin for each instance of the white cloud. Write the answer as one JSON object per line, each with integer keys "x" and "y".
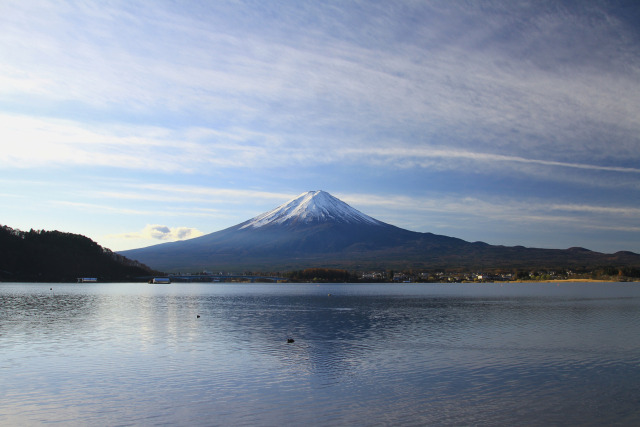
{"x": 161, "y": 232}
{"x": 32, "y": 142}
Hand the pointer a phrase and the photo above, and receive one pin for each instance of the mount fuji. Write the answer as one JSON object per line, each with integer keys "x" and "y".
{"x": 311, "y": 207}
{"x": 316, "y": 229}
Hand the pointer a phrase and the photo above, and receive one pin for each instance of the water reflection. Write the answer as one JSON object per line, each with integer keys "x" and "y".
{"x": 125, "y": 353}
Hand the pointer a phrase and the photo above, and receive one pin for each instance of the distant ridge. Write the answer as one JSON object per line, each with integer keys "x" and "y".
{"x": 315, "y": 229}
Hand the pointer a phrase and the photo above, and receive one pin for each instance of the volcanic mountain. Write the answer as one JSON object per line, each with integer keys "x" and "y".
{"x": 316, "y": 229}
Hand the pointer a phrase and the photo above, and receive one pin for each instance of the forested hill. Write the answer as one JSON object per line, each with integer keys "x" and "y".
{"x": 54, "y": 256}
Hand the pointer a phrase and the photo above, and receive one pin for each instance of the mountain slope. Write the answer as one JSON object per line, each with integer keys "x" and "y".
{"x": 316, "y": 229}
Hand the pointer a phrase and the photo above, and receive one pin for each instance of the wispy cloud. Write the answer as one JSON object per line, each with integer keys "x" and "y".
{"x": 212, "y": 194}
{"x": 492, "y": 99}
{"x": 409, "y": 156}
{"x": 53, "y": 142}
{"x": 626, "y": 211}
{"x": 222, "y": 105}
{"x": 416, "y": 213}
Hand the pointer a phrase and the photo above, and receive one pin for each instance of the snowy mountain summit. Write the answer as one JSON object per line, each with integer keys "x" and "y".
{"x": 312, "y": 207}
{"x": 317, "y": 230}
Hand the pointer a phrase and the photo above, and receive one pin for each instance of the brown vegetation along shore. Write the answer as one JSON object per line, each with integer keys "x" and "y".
{"x": 572, "y": 281}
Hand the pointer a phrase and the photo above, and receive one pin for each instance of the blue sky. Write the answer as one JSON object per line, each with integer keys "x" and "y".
{"x": 136, "y": 123}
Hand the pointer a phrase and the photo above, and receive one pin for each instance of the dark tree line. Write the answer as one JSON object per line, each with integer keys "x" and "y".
{"x": 617, "y": 271}
{"x": 43, "y": 256}
{"x": 322, "y": 274}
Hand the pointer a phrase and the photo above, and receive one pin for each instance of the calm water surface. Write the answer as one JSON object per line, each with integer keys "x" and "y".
{"x": 411, "y": 354}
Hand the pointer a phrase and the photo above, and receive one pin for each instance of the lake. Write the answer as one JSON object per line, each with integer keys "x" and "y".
{"x": 363, "y": 354}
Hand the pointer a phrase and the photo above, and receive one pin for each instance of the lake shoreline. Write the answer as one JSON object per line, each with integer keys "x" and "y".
{"x": 573, "y": 281}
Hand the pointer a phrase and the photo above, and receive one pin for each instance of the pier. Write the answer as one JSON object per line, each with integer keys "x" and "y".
{"x": 215, "y": 278}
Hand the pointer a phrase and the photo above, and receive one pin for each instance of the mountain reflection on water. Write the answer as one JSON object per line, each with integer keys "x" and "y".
{"x": 363, "y": 354}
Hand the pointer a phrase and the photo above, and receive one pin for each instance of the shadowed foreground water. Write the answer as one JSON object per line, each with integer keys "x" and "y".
{"x": 410, "y": 354}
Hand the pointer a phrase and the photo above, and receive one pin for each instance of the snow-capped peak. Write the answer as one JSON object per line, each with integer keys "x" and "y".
{"x": 312, "y": 206}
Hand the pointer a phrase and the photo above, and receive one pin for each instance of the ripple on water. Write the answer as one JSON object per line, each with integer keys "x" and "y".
{"x": 113, "y": 355}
